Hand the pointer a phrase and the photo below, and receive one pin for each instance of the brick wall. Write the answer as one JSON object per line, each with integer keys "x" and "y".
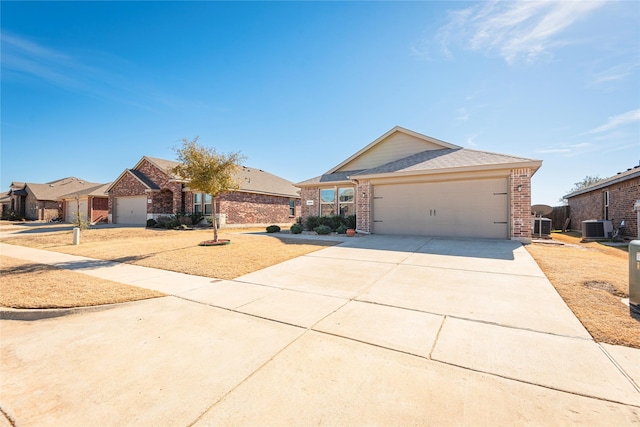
{"x": 363, "y": 206}
{"x": 168, "y": 200}
{"x": 128, "y": 185}
{"x": 622, "y": 197}
{"x": 99, "y": 207}
{"x": 43, "y": 210}
{"x": 251, "y": 208}
{"x": 163, "y": 180}
{"x": 520, "y": 201}
{"x": 312, "y": 194}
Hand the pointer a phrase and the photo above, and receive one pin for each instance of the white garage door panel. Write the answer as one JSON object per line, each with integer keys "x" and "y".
{"x": 459, "y": 209}
{"x": 71, "y": 208}
{"x": 131, "y": 210}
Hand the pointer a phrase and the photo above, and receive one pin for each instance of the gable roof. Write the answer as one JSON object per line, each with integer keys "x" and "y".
{"x": 448, "y": 159}
{"x": 99, "y": 190}
{"x": 432, "y": 156}
{"x": 630, "y": 173}
{"x": 395, "y": 144}
{"x": 56, "y": 189}
{"x": 251, "y": 180}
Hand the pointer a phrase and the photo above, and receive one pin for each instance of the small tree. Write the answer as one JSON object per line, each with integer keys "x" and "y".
{"x": 587, "y": 181}
{"x": 208, "y": 171}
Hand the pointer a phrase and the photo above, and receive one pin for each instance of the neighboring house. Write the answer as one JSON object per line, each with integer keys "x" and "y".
{"x": 150, "y": 190}
{"x": 5, "y": 201}
{"x": 92, "y": 203}
{"x": 40, "y": 201}
{"x": 410, "y": 184}
{"x": 612, "y": 198}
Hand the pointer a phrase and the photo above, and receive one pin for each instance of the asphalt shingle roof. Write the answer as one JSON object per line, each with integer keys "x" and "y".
{"x": 251, "y": 180}
{"x": 444, "y": 159}
{"x": 619, "y": 177}
{"x": 56, "y": 189}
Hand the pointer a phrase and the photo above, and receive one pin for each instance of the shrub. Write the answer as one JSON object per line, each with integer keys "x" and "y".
{"x": 299, "y": 220}
{"x": 151, "y": 222}
{"x": 296, "y": 229}
{"x": 313, "y": 222}
{"x": 350, "y": 221}
{"x": 322, "y": 229}
{"x": 81, "y": 221}
{"x": 342, "y": 229}
{"x": 334, "y": 222}
{"x": 273, "y": 229}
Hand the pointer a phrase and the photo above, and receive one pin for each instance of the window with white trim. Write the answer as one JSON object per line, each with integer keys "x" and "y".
{"x": 345, "y": 201}
{"x": 606, "y": 205}
{"x": 327, "y": 201}
{"x": 202, "y": 203}
{"x": 292, "y": 207}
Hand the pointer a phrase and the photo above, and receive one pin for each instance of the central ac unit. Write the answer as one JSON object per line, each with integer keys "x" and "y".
{"x": 597, "y": 229}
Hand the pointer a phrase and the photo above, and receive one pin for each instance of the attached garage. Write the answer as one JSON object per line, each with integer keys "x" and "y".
{"x": 71, "y": 208}
{"x": 407, "y": 183}
{"x": 130, "y": 210}
{"x": 473, "y": 208}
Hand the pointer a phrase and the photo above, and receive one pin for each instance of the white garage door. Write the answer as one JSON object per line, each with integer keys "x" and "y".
{"x": 477, "y": 208}
{"x": 71, "y": 208}
{"x": 130, "y": 210}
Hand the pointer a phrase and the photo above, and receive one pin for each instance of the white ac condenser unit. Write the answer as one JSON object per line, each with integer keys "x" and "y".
{"x": 597, "y": 229}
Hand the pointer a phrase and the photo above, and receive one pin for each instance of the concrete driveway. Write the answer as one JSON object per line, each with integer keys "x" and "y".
{"x": 376, "y": 331}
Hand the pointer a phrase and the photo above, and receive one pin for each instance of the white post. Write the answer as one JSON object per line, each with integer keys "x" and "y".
{"x": 76, "y": 235}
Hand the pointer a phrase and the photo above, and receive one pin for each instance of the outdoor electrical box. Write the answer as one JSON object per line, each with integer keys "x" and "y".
{"x": 634, "y": 273}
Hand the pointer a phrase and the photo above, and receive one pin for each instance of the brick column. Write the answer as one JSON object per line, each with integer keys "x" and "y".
{"x": 520, "y": 200}
{"x": 363, "y": 206}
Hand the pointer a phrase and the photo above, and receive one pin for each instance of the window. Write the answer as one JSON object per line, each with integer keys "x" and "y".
{"x": 207, "y": 204}
{"x": 197, "y": 203}
{"x": 327, "y": 201}
{"x": 202, "y": 205}
{"x": 292, "y": 207}
{"x": 345, "y": 200}
{"x": 606, "y": 205}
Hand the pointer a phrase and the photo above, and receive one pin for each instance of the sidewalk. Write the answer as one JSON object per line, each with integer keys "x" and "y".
{"x": 373, "y": 331}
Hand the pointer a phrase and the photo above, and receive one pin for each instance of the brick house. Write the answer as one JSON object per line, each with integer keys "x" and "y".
{"x": 92, "y": 203}
{"x": 615, "y": 198}
{"x": 408, "y": 183}
{"x": 150, "y": 190}
{"x": 41, "y": 201}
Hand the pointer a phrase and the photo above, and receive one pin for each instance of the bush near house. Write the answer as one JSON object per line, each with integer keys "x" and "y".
{"x": 333, "y": 222}
{"x": 296, "y": 229}
{"x": 322, "y": 229}
{"x": 273, "y": 229}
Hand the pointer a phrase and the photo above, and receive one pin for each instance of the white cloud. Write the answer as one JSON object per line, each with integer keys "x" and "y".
{"x": 615, "y": 73}
{"x": 463, "y": 115}
{"x": 613, "y": 122}
{"x": 514, "y": 30}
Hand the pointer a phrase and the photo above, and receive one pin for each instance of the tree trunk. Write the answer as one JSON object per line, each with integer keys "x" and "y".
{"x": 214, "y": 220}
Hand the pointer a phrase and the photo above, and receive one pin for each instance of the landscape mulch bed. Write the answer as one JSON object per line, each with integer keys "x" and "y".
{"x": 592, "y": 279}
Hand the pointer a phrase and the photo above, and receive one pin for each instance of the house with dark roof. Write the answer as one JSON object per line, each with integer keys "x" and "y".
{"x": 91, "y": 203}
{"x": 407, "y": 183}
{"x": 151, "y": 190}
{"x": 616, "y": 198}
{"x": 40, "y": 201}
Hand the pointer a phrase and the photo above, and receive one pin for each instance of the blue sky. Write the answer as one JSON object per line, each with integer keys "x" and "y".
{"x": 88, "y": 88}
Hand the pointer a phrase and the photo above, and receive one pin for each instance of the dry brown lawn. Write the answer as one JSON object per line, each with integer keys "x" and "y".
{"x": 31, "y": 285}
{"x": 592, "y": 279}
{"x": 177, "y": 250}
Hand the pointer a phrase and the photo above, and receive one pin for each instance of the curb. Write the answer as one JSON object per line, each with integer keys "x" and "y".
{"x": 31, "y": 314}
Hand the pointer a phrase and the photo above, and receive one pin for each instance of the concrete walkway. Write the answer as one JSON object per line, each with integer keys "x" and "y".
{"x": 377, "y": 330}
